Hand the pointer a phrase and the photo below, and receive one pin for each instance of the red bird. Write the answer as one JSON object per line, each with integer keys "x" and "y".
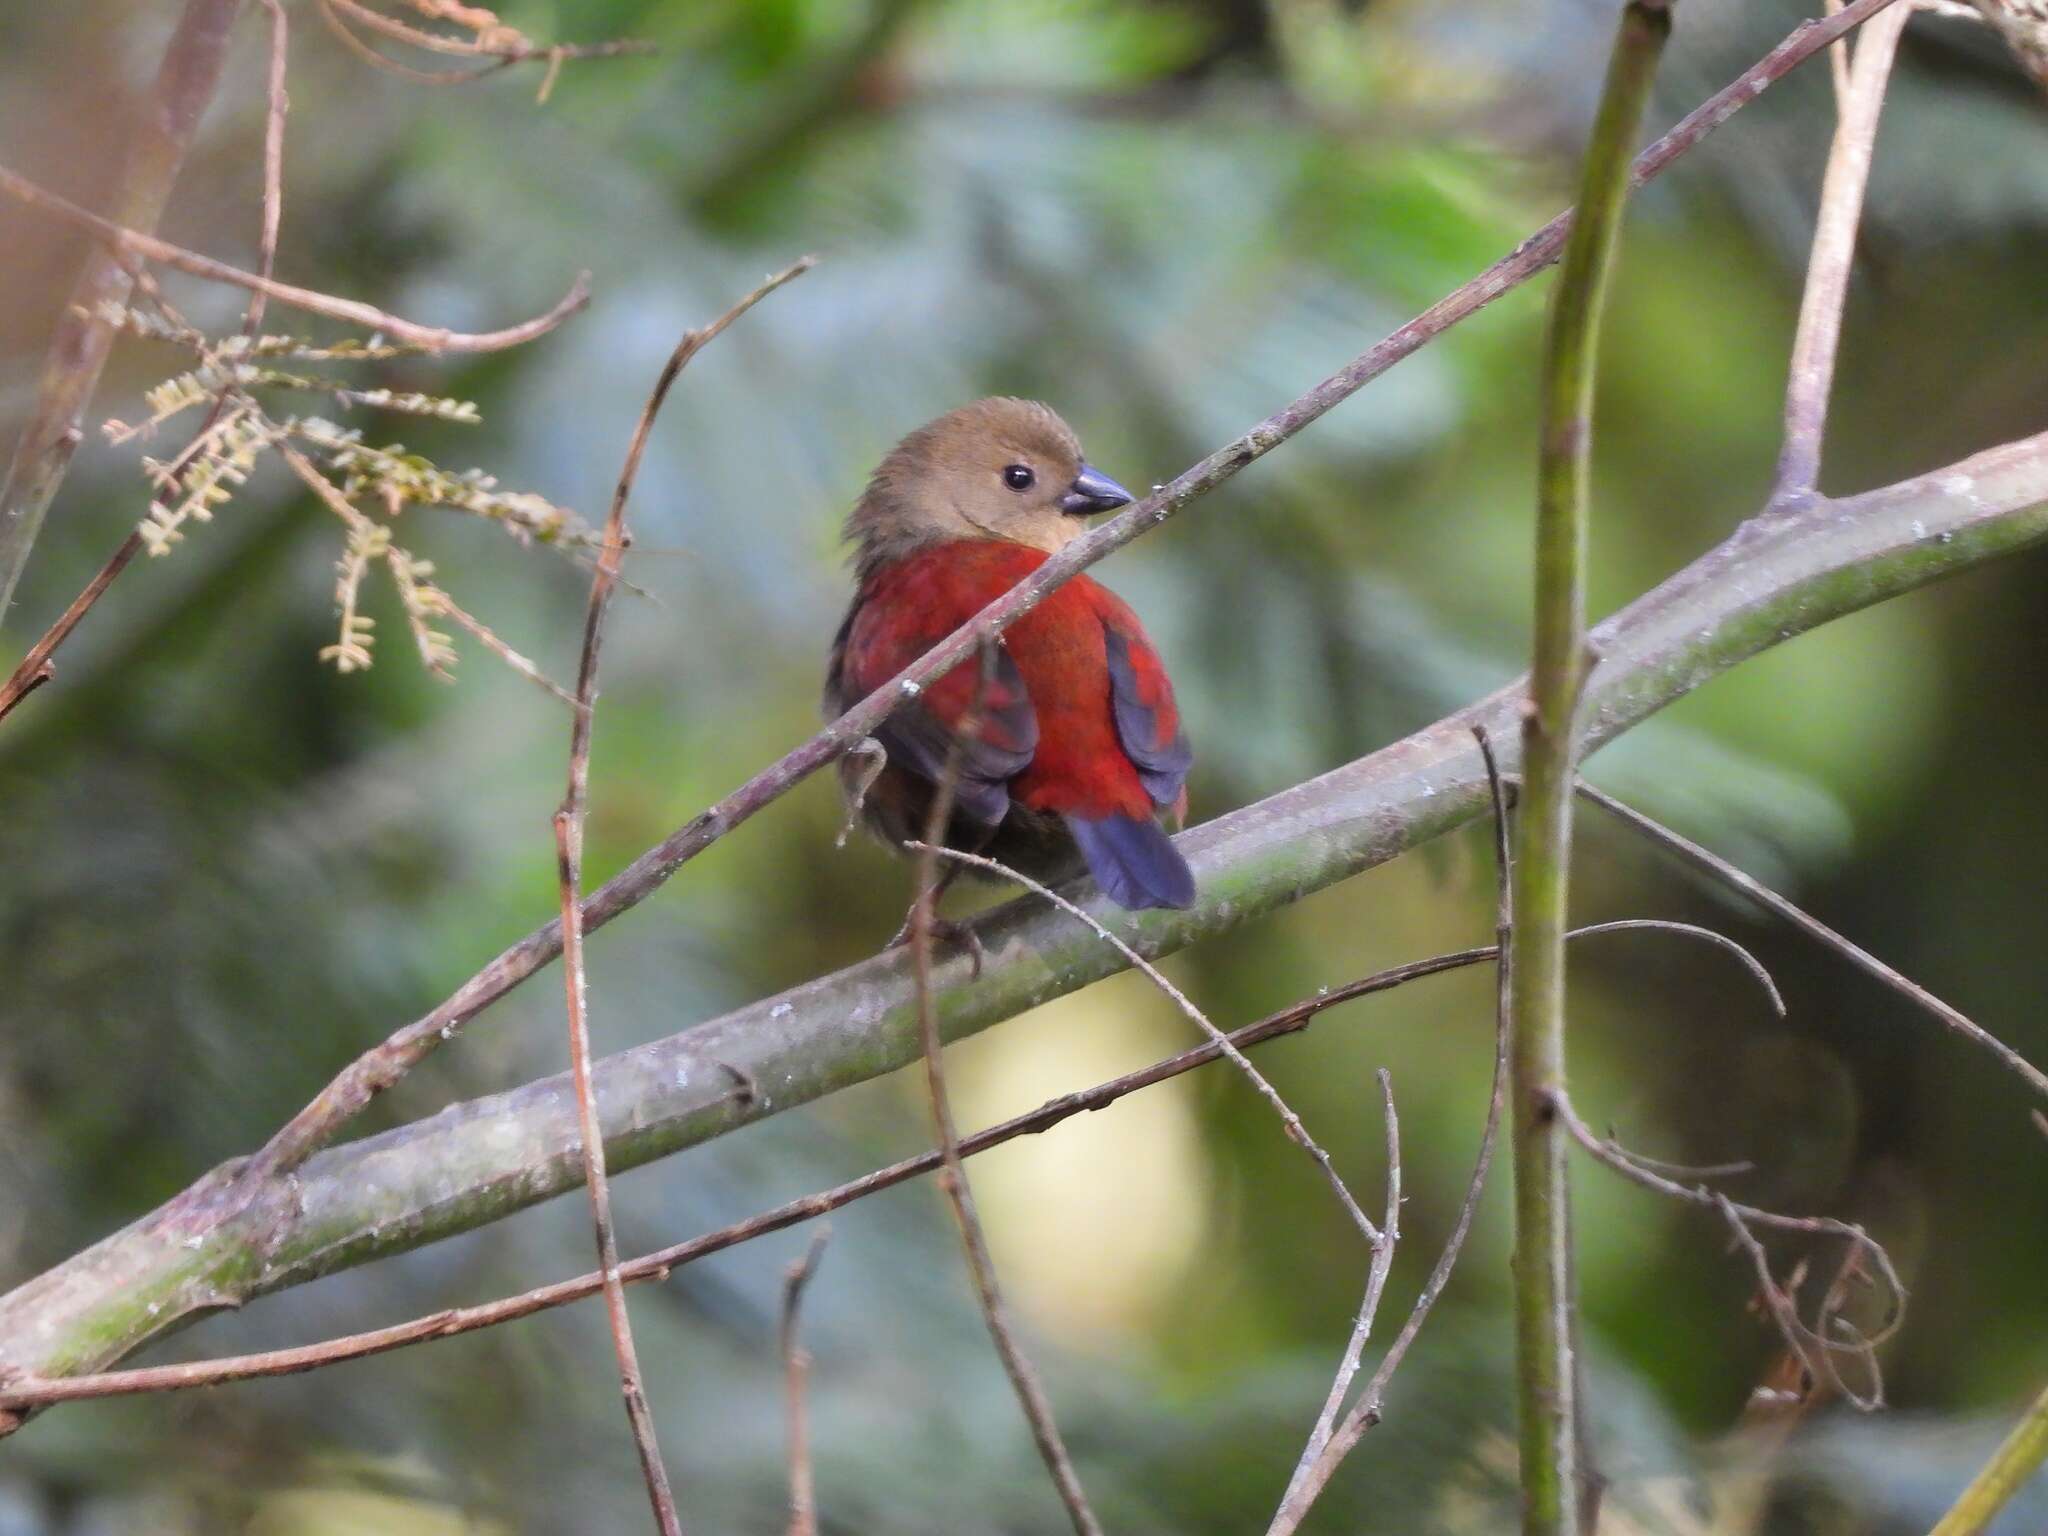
{"x": 1080, "y": 746}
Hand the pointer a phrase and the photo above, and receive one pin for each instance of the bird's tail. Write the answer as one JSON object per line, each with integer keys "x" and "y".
{"x": 1134, "y": 861}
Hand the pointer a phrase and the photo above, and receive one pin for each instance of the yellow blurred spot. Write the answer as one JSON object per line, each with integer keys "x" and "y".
{"x": 1094, "y": 1222}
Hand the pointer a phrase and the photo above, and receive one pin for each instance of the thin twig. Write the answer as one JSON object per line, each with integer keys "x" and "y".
{"x": 661, "y": 1263}
{"x": 1302, "y": 1494}
{"x": 981, "y": 1267}
{"x": 36, "y": 668}
{"x": 1810, "y": 377}
{"x": 133, "y": 243}
{"x": 384, "y": 1064}
{"x": 1755, "y": 890}
{"x": 1291, "y": 1122}
{"x": 333, "y": 16}
{"x": 1368, "y": 1309}
{"x": 796, "y": 1370}
{"x": 500, "y": 54}
{"x": 1814, "y": 1346}
{"x": 569, "y": 856}
{"x": 631, "y": 1385}
{"x": 1547, "y": 1409}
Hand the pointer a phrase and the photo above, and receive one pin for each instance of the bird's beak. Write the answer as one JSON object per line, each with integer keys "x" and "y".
{"x": 1093, "y": 492}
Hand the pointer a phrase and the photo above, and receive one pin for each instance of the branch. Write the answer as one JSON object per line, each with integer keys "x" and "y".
{"x": 19, "y": 1392}
{"x": 78, "y": 350}
{"x": 1810, "y": 377}
{"x": 219, "y": 1243}
{"x": 129, "y": 244}
{"x": 384, "y": 1064}
{"x": 2017, "y": 1460}
{"x": 1547, "y": 1409}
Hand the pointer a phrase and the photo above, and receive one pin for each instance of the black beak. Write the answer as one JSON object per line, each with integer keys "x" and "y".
{"x": 1093, "y": 492}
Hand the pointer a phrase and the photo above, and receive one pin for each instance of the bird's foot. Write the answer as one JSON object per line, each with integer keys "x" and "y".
{"x": 944, "y": 931}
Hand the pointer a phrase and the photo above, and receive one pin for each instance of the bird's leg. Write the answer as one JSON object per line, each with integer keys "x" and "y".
{"x": 944, "y": 930}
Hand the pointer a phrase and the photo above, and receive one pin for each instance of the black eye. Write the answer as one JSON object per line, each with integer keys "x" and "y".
{"x": 1018, "y": 477}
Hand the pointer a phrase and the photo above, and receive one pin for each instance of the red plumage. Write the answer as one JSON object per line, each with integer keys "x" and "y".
{"x": 1079, "y": 746}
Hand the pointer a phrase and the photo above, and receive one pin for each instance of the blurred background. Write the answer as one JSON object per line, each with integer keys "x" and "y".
{"x": 227, "y": 869}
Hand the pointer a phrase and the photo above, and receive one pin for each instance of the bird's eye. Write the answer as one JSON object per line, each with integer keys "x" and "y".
{"x": 1018, "y": 477}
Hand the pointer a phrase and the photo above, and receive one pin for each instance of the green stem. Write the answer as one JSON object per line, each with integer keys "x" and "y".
{"x": 475, "y": 1163}
{"x": 2022, "y": 1455}
{"x": 1545, "y": 1378}
{"x": 81, "y": 341}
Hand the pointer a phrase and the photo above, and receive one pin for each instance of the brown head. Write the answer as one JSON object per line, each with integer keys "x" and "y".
{"x": 997, "y": 469}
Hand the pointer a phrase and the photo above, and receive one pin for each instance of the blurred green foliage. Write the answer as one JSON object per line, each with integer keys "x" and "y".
{"x": 224, "y": 869}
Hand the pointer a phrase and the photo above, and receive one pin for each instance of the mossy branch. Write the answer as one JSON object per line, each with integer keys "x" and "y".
{"x": 220, "y": 1243}
{"x": 1545, "y": 1376}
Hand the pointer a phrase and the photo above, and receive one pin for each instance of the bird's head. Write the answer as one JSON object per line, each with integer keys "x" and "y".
{"x": 997, "y": 469}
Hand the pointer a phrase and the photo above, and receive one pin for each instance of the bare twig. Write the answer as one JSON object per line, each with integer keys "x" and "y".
{"x": 1366, "y": 1413}
{"x": 796, "y": 1370}
{"x": 387, "y": 1062}
{"x": 1720, "y": 869}
{"x": 508, "y": 48}
{"x": 1368, "y": 1309}
{"x": 1289, "y": 1120}
{"x": 569, "y": 855}
{"x": 36, "y": 667}
{"x": 1811, "y": 375}
{"x": 1547, "y": 1409}
{"x": 631, "y": 1385}
{"x": 1818, "y": 1346}
{"x": 82, "y": 339}
{"x": 333, "y": 16}
{"x": 132, "y": 244}
{"x": 981, "y": 1268}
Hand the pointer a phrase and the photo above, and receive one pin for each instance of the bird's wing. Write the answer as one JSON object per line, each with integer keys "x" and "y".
{"x": 922, "y": 732}
{"x": 1147, "y": 720}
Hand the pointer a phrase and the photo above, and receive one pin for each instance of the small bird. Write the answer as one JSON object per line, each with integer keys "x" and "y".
{"x": 1079, "y": 746}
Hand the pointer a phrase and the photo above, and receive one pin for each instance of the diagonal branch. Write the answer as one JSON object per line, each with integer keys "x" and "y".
{"x": 78, "y": 350}
{"x": 384, "y": 1064}
{"x": 220, "y": 1243}
{"x": 23, "y": 1393}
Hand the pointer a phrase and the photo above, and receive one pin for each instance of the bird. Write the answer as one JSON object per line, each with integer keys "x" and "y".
{"x": 1079, "y": 746}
